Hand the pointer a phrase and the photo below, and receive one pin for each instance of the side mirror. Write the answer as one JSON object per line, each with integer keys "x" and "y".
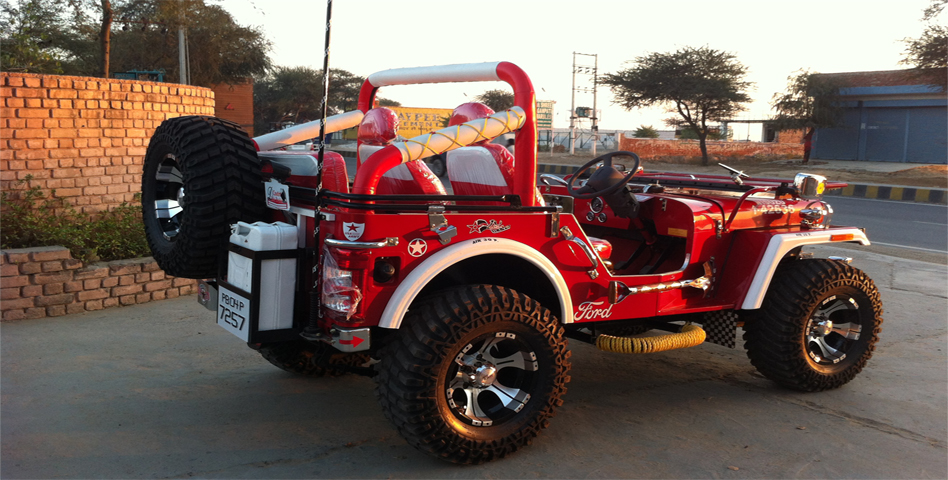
{"x": 809, "y": 186}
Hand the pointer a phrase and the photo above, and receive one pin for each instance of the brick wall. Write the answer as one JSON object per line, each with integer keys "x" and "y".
{"x": 48, "y": 282}
{"x": 650, "y": 148}
{"x": 86, "y": 137}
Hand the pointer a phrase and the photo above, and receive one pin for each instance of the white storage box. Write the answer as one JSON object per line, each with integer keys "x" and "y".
{"x": 277, "y": 281}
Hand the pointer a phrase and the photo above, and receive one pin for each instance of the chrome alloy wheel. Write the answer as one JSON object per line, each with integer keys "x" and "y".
{"x": 833, "y": 330}
{"x": 170, "y": 196}
{"x": 491, "y": 379}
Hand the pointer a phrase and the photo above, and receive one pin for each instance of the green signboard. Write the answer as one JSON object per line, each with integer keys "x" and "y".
{"x": 545, "y": 114}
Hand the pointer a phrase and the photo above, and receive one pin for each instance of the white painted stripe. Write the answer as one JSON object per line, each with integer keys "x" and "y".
{"x": 910, "y": 248}
{"x": 464, "y": 72}
{"x": 415, "y": 281}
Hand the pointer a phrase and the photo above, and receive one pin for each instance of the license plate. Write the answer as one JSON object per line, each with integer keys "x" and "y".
{"x": 233, "y": 313}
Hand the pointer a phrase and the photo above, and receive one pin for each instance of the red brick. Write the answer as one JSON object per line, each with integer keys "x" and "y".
{"x": 63, "y": 94}
{"x": 143, "y": 277}
{"x": 72, "y": 287}
{"x": 110, "y": 302}
{"x": 125, "y": 269}
{"x": 159, "y": 275}
{"x": 162, "y": 285}
{"x": 9, "y": 270}
{"x": 151, "y": 266}
{"x": 173, "y": 293}
{"x": 92, "y": 295}
{"x": 52, "y": 289}
{"x": 91, "y": 284}
{"x": 126, "y": 290}
{"x": 54, "y": 266}
{"x": 187, "y": 290}
{"x": 56, "y": 311}
{"x": 10, "y": 315}
{"x": 72, "y": 264}
{"x": 38, "y": 312}
{"x": 46, "y": 278}
{"x": 48, "y": 300}
{"x": 159, "y": 295}
{"x": 75, "y": 308}
{"x": 17, "y": 281}
{"x": 182, "y": 281}
{"x": 30, "y": 268}
{"x": 91, "y": 272}
{"x": 18, "y": 303}
{"x": 127, "y": 300}
{"x": 110, "y": 282}
{"x": 31, "y": 291}
{"x": 11, "y": 293}
{"x": 126, "y": 280}
{"x": 143, "y": 298}
{"x": 93, "y": 305}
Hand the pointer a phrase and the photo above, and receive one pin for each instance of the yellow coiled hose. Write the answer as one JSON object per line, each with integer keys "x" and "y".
{"x": 690, "y": 336}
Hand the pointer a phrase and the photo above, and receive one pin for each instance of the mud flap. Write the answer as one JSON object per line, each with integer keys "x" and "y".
{"x": 721, "y": 327}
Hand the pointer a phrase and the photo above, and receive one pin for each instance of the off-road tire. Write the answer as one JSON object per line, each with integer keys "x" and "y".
{"x": 214, "y": 164}
{"x": 301, "y": 357}
{"x": 415, "y": 372}
{"x": 780, "y": 338}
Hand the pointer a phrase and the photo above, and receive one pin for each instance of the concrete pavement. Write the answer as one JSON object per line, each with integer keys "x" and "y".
{"x": 158, "y": 390}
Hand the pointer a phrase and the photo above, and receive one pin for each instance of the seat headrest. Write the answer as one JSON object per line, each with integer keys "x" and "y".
{"x": 469, "y": 111}
{"x": 379, "y": 127}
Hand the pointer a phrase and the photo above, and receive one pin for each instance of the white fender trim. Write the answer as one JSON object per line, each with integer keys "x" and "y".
{"x": 779, "y": 246}
{"x": 415, "y": 281}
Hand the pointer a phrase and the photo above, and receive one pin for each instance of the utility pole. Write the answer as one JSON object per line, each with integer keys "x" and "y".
{"x": 585, "y": 70}
{"x": 572, "y": 113}
{"x": 182, "y": 56}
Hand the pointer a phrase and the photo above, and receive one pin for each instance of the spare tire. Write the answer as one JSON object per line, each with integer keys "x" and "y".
{"x": 201, "y": 174}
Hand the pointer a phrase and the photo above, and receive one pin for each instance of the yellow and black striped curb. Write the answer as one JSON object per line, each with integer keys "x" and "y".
{"x": 858, "y": 190}
{"x": 893, "y": 192}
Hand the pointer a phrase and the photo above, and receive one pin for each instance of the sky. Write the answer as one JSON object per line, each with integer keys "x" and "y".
{"x": 773, "y": 38}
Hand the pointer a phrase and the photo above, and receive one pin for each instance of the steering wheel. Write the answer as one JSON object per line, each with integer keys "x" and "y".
{"x": 604, "y": 181}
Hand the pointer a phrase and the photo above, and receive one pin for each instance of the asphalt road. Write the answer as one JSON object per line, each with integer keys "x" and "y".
{"x": 902, "y": 224}
{"x": 159, "y": 391}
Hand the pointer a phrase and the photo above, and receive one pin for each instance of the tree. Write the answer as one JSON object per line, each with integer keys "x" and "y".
{"x": 928, "y": 54}
{"x": 645, "y": 132}
{"x": 700, "y": 85}
{"x": 23, "y": 28}
{"x": 811, "y": 101}
{"x": 294, "y": 94}
{"x": 497, "y": 100}
{"x": 88, "y": 40}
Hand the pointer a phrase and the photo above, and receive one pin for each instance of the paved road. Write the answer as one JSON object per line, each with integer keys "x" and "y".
{"x": 158, "y": 390}
{"x": 903, "y": 224}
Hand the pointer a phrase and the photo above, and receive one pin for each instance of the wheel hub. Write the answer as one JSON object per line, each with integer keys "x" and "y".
{"x": 822, "y": 328}
{"x": 484, "y": 376}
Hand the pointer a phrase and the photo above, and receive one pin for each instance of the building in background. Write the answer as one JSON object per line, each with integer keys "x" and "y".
{"x": 889, "y": 116}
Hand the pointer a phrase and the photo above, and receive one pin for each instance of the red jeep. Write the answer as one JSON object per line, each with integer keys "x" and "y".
{"x": 460, "y": 304}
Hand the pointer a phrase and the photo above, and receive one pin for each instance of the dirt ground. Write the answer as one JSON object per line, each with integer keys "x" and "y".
{"x": 930, "y": 176}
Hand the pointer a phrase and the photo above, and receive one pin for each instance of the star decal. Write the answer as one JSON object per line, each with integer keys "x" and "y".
{"x": 417, "y": 247}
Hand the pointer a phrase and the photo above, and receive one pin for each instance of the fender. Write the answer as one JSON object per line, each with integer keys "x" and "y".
{"x": 782, "y": 243}
{"x": 415, "y": 281}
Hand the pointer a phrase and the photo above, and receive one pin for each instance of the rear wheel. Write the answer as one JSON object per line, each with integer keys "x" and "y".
{"x": 817, "y": 327}
{"x": 474, "y": 373}
{"x": 201, "y": 174}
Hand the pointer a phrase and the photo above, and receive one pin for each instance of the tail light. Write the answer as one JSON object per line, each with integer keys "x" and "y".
{"x": 341, "y": 287}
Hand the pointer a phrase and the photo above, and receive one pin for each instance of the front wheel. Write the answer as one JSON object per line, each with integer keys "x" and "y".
{"x": 817, "y": 327}
{"x": 474, "y": 373}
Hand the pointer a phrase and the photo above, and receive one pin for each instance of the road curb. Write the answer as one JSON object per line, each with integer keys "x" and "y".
{"x": 899, "y": 193}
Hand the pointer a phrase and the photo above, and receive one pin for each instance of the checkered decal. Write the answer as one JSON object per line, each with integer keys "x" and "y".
{"x": 721, "y": 327}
